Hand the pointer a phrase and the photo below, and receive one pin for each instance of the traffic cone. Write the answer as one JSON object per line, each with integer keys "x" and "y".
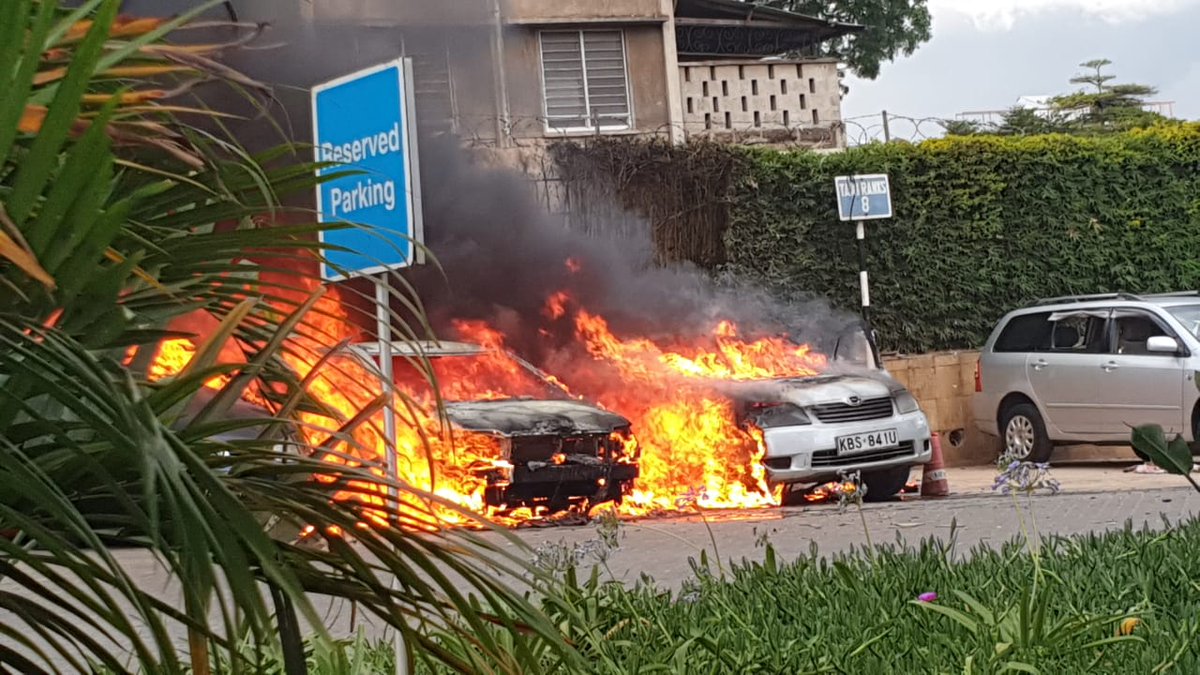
{"x": 933, "y": 477}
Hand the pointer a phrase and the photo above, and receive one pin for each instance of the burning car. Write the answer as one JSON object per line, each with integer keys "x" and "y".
{"x": 852, "y": 417}
{"x": 549, "y": 450}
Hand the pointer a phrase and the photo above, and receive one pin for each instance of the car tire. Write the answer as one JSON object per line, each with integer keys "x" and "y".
{"x": 1023, "y": 434}
{"x": 793, "y": 497}
{"x": 885, "y": 484}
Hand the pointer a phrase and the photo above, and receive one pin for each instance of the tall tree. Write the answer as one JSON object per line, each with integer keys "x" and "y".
{"x": 1111, "y": 107}
{"x": 1098, "y": 78}
{"x": 894, "y": 28}
{"x": 1101, "y": 107}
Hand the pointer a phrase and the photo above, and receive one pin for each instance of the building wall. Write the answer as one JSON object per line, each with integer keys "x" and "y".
{"x": 553, "y": 11}
{"x": 646, "y": 70}
{"x": 737, "y": 99}
{"x": 391, "y": 12}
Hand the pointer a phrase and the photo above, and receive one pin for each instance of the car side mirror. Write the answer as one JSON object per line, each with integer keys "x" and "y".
{"x": 1162, "y": 344}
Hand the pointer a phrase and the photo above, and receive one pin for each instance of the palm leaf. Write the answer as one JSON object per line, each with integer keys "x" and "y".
{"x": 94, "y": 456}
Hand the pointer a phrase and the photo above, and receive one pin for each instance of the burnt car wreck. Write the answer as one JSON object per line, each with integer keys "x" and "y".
{"x": 557, "y": 452}
{"x": 562, "y": 454}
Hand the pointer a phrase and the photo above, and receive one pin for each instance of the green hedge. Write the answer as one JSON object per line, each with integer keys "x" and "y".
{"x": 982, "y": 225}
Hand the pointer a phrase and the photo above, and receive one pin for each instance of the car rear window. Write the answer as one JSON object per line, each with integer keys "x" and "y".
{"x": 1082, "y": 332}
{"x": 1025, "y": 333}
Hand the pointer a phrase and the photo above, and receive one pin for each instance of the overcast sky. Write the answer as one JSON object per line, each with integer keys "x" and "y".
{"x": 985, "y": 54}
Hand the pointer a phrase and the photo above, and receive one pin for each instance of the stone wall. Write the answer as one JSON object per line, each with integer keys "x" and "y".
{"x": 944, "y": 383}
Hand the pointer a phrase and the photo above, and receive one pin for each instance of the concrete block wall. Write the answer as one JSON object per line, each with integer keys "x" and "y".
{"x": 943, "y": 384}
{"x": 738, "y": 100}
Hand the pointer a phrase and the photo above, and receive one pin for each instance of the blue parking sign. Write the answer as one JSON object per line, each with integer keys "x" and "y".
{"x": 864, "y": 197}
{"x": 364, "y": 122}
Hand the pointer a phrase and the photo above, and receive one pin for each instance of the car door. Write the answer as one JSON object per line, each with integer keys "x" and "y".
{"x": 1064, "y": 373}
{"x": 1135, "y": 385}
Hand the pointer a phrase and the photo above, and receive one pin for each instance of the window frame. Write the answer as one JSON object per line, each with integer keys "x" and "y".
{"x": 999, "y": 345}
{"x": 1105, "y": 331}
{"x": 589, "y": 128}
{"x": 1162, "y": 324}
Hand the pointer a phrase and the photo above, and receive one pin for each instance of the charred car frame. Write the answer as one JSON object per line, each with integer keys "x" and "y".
{"x": 558, "y": 452}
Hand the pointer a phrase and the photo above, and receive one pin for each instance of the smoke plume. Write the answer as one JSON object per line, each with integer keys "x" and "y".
{"x": 504, "y": 256}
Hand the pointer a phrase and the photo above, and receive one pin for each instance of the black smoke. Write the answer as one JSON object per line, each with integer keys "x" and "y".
{"x": 500, "y": 255}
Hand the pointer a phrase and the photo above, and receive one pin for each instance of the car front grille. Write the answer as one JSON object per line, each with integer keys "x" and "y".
{"x": 543, "y": 448}
{"x": 869, "y": 409}
{"x": 829, "y": 458}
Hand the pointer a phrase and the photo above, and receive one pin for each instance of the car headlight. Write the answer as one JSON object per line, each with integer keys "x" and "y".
{"x": 906, "y": 403}
{"x": 767, "y": 415}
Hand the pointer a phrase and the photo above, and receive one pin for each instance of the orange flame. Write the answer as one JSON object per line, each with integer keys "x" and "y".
{"x": 691, "y": 450}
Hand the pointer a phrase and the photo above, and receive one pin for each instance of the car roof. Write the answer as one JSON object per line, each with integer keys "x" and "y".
{"x": 1085, "y": 302}
{"x": 426, "y": 348}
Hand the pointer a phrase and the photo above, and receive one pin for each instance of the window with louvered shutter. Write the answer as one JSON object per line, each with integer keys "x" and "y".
{"x": 433, "y": 91}
{"x": 584, "y": 80}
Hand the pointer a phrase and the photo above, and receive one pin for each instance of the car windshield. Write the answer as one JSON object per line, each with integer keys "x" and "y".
{"x": 854, "y": 348}
{"x": 484, "y": 376}
{"x": 1189, "y": 316}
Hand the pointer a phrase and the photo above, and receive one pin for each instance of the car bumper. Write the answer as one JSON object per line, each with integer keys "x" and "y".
{"x": 983, "y": 413}
{"x": 560, "y": 482}
{"x": 808, "y": 453}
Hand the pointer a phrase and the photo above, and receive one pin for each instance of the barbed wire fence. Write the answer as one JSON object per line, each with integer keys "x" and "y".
{"x": 885, "y": 127}
{"x": 524, "y": 141}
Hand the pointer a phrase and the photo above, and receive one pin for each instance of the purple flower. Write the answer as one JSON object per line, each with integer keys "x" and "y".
{"x": 927, "y": 597}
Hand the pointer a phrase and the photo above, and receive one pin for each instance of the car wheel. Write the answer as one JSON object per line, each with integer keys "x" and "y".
{"x": 1025, "y": 438}
{"x": 793, "y": 496}
{"x": 885, "y": 484}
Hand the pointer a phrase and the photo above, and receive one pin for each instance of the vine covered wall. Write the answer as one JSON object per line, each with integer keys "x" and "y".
{"x": 982, "y": 224}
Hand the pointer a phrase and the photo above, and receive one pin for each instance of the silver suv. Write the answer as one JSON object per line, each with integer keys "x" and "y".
{"x": 1082, "y": 370}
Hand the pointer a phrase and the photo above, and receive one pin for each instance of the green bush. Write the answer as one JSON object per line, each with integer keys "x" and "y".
{"x": 849, "y": 615}
{"x": 982, "y": 225}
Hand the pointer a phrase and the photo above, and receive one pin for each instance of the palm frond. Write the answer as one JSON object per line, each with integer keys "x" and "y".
{"x": 120, "y": 223}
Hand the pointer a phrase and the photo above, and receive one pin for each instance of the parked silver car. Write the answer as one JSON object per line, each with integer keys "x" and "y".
{"x": 1081, "y": 370}
{"x": 855, "y": 417}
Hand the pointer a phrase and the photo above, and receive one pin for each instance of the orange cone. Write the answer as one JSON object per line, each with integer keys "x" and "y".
{"x": 933, "y": 477}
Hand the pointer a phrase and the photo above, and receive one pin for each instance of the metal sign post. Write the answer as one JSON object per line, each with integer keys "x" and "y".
{"x": 364, "y": 124}
{"x": 383, "y": 327}
{"x": 862, "y": 198}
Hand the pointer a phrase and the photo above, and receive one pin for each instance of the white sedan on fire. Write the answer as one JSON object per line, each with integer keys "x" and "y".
{"x": 853, "y": 418}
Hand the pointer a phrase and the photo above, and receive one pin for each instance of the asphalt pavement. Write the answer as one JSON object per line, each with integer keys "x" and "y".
{"x": 1094, "y": 498}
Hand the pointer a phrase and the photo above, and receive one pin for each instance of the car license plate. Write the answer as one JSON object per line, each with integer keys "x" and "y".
{"x": 872, "y": 440}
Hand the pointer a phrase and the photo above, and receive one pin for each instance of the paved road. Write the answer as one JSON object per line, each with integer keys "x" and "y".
{"x": 661, "y": 548}
{"x": 1095, "y": 499}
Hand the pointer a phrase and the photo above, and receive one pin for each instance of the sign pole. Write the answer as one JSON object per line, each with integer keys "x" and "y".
{"x": 863, "y": 198}
{"x": 366, "y": 121}
{"x": 383, "y": 319}
{"x": 863, "y": 282}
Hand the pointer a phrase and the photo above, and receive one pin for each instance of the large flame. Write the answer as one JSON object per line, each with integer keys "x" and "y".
{"x": 693, "y": 453}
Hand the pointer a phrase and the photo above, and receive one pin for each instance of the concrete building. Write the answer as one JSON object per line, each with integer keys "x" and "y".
{"x": 518, "y": 73}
